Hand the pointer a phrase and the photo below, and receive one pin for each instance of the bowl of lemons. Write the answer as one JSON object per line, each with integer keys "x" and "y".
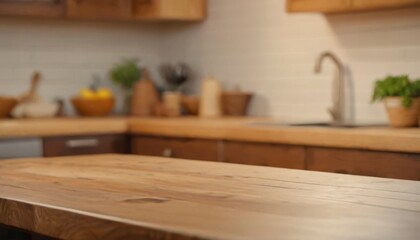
{"x": 93, "y": 102}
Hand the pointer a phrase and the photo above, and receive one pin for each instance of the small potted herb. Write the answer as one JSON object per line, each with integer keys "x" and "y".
{"x": 126, "y": 74}
{"x": 401, "y": 99}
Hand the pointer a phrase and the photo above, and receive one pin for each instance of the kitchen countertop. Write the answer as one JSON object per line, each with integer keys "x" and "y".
{"x": 236, "y": 129}
{"x": 136, "y": 197}
{"x": 242, "y": 129}
{"x": 61, "y": 126}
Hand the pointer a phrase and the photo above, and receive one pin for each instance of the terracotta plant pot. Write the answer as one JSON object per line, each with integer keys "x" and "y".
{"x": 400, "y": 116}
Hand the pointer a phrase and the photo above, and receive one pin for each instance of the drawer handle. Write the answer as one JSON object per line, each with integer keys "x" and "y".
{"x": 167, "y": 152}
{"x": 80, "y": 143}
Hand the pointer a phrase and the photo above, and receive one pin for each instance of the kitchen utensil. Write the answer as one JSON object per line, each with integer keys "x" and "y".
{"x": 172, "y": 104}
{"x": 191, "y": 104}
{"x": 93, "y": 107}
{"x": 210, "y": 99}
{"x": 31, "y": 95}
{"x": 175, "y": 75}
{"x": 6, "y": 106}
{"x": 145, "y": 97}
{"x": 235, "y": 103}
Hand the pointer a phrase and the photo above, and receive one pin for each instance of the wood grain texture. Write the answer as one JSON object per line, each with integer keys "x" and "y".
{"x": 261, "y": 154}
{"x": 138, "y": 197}
{"x": 338, "y": 6}
{"x": 367, "y": 163}
{"x": 195, "y": 149}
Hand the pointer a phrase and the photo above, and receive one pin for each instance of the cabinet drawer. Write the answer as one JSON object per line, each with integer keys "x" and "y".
{"x": 196, "y": 149}
{"x": 367, "y": 163}
{"x": 99, "y": 9}
{"x": 79, "y": 145}
{"x": 273, "y": 155}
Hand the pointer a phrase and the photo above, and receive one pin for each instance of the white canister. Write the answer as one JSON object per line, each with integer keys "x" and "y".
{"x": 210, "y": 98}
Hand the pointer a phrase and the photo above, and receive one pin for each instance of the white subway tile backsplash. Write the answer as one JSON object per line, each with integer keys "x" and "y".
{"x": 69, "y": 53}
{"x": 259, "y": 46}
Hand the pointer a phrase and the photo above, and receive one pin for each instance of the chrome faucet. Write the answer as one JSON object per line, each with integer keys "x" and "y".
{"x": 337, "y": 111}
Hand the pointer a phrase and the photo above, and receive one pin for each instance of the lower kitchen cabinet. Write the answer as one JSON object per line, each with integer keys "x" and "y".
{"x": 264, "y": 154}
{"x": 363, "y": 162}
{"x": 196, "y": 149}
{"x": 80, "y": 145}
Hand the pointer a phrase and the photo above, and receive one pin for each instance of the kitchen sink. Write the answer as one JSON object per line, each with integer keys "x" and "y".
{"x": 317, "y": 124}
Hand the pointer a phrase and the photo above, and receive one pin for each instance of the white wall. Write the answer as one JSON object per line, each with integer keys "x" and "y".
{"x": 257, "y": 45}
{"x": 69, "y": 53}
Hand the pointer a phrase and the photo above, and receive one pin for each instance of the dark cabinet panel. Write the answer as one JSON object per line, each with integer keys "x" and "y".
{"x": 264, "y": 154}
{"x": 32, "y": 8}
{"x": 98, "y": 9}
{"x": 79, "y": 145}
{"x": 362, "y": 162}
{"x": 196, "y": 149}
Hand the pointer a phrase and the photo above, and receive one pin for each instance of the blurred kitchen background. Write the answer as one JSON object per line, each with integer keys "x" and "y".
{"x": 254, "y": 44}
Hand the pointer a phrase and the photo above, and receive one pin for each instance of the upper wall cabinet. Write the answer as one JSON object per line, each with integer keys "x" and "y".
{"x": 338, "y": 6}
{"x": 99, "y": 9}
{"x": 32, "y": 8}
{"x": 129, "y": 10}
{"x": 192, "y": 10}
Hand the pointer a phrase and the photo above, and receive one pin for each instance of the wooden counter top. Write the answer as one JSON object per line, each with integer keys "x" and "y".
{"x": 242, "y": 129}
{"x": 61, "y": 126}
{"x": 135, "y": 197}
{"x": 237, "y": 129}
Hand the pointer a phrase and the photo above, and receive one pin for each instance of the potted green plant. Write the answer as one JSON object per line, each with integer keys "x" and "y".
{"x": 126, "y": 74}
{"x": 401, "y": 99}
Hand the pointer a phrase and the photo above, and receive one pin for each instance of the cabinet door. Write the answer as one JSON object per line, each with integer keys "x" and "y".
{"x": 99, "y": 9}
{"x": 362, "y": 162}
{"x": 32, "y": 8}
{"x": 339, "y": 6}
{"x": 196, "y": 149}
{"x": 264, "y": 154}
{"x": 183, "y": 10}
{"x": 81, "y": 145}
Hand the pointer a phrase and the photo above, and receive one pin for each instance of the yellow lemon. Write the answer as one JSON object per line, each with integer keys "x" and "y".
{"x": 86, "y": 93}
{"x": 104, "y": 93}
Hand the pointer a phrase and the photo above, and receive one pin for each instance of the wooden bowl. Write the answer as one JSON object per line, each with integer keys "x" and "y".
{"x": 191, "y": 104}
{"x": 93, "y": 107}
{"x": 6, "y": 106}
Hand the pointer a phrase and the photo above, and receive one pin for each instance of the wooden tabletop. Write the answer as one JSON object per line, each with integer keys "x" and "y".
{"x": 136, "y": 197}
